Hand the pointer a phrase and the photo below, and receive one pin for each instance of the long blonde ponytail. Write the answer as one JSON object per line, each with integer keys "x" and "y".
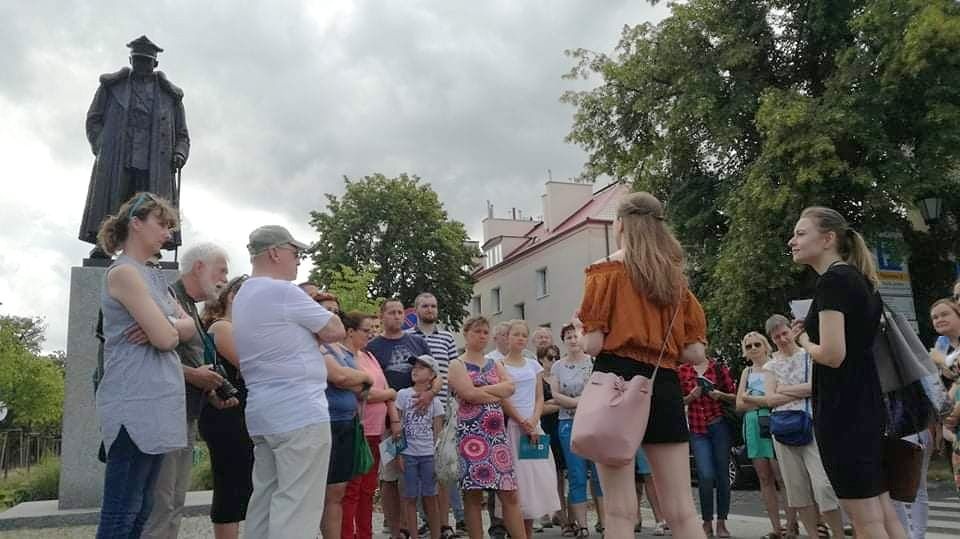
{"x": 851, "y": 246}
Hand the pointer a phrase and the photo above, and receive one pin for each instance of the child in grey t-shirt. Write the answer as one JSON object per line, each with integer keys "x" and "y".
{"x": 420, "y": 430}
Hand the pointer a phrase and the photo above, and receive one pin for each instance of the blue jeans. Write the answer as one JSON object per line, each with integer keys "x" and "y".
{"x": 127, "y": 489}
{"x": 577, "y": 467}
{"x": 711, "y": 454}
{"x": 456, "y": 502}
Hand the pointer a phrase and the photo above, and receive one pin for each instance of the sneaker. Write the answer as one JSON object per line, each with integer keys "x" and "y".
{"x": 537, "y": 526}
{"x": 545, "y": 522}
{"x": 661, "y": 529}
{"x": 497, "y": 531}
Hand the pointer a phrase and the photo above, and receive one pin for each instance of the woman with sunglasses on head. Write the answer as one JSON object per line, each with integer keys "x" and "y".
{"x": 838, "y": 333}
{"x": 140, "y": 399}
{"x": 750, "y": 393}
{"x": 224, "y": 428}
{"x": 358, "y": 500}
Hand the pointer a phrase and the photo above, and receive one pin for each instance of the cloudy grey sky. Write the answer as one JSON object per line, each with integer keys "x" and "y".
{"x": 283, "y": 99}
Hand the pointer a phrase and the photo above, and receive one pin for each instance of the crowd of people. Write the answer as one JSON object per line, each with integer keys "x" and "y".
{"x": 309, "y": 411}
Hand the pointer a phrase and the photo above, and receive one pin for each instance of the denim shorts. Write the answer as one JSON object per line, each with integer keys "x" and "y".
{"x": 418, "y": 477}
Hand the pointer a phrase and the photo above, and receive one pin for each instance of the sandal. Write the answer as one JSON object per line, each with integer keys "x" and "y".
{"x": 661, "y": 529}
{"x": 583, "y": 532}
{"x": 599, "y": 527}
{"x": 569, "y": 530}
{"x": 447, "y": 532}
{"x": 823, "y": 530}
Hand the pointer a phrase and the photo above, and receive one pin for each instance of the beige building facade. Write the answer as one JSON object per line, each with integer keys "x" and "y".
{"x": 534, "y": 269}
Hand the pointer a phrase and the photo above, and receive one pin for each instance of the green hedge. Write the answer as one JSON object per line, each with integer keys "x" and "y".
{"x": 41, "y": 482}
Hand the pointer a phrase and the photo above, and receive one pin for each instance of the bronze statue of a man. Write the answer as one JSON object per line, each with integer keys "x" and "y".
{"x": 138, "y": 132}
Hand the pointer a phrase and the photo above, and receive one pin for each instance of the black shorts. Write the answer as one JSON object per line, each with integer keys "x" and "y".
{"x": 341, "y": 452}
{"x": 668, "y": 420}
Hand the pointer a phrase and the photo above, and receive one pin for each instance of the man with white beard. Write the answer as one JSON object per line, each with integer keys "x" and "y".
{"x": 204, "y": 271}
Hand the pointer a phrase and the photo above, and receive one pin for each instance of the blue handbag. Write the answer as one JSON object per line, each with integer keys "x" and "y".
{"x": 794, "y": 427}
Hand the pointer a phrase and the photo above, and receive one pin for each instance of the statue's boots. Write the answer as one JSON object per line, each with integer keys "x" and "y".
{"x": 98, "y": 253}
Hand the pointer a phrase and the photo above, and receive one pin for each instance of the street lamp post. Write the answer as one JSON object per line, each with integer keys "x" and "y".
{"x": 931, "y": 208}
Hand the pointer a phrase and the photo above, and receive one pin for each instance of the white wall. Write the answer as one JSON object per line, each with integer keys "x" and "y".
{"x": 565, "y": 261}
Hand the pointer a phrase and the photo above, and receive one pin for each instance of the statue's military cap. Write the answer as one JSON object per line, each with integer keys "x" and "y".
{"x": 142, "y": 46}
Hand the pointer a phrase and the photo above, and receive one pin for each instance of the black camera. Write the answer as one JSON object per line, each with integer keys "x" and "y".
{"x": 227, "y": 390}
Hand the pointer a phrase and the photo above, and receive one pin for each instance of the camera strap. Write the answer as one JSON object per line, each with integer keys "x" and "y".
{"x": 209, "y": 348}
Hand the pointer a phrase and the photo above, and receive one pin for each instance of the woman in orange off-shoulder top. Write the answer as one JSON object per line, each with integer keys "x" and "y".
{"x": 628, "y": 303}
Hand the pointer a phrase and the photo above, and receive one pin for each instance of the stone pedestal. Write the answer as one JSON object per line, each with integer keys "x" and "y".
{"x": 81, "y": 474}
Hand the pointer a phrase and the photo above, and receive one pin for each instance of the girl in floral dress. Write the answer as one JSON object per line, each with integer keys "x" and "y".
{"x": 486, "y": 461}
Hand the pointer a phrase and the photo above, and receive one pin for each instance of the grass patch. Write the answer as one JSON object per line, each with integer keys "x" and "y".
{"x": 201, "y": 475}
{"x": 41, "y": 482}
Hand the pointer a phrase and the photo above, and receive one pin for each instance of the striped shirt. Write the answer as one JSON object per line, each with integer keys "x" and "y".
{"x": 443, "y": 348}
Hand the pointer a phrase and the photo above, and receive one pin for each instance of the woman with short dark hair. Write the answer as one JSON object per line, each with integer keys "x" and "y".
{"x": 568, "y": 378}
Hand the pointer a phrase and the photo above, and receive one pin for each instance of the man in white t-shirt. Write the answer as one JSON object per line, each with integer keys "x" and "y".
{"x": 276, "y": 330}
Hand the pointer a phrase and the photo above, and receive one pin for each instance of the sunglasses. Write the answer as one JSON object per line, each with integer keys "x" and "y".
{"x": 137, "y": 203}
{"x": 752, "y": 345}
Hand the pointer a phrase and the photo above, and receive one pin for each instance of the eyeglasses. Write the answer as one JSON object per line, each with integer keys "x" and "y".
{"x": 751, "y": 345}
{"x": 300, "y": 255}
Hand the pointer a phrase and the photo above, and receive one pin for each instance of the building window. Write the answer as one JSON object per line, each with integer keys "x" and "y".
{"x": 521, "y": 311}
{"x": 495, "y": 299}
{"x": 493, "y": 256}
{"x": 542, "y": 288}
{"x": 476, "y": 307}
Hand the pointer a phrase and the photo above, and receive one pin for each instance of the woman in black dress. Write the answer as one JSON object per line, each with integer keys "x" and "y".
{"x": 225, "y": 430}
{"x": 838, "y": 333}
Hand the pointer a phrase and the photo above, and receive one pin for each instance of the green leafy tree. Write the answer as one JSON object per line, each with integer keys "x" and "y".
{"x": 352, "y": 288}
{"x": 29, "y": 331}
{"x": 31, "y": 387}
{"x": 397, "y": 229}
{"x": 739, "y": 113}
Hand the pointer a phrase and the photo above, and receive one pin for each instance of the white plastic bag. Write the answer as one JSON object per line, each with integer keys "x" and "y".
{"x": 447, "y": 458}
